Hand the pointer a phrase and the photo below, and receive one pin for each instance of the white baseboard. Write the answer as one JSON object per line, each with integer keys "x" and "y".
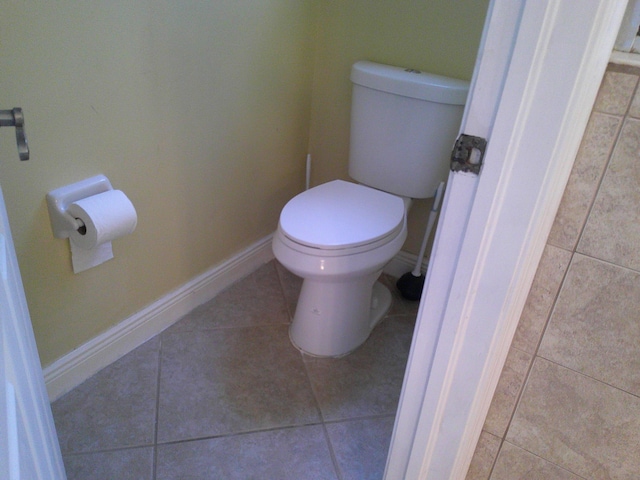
{"x": 625, "y": 58}
{"x": 80, "y": 364}
{"x": 402, "y": 263}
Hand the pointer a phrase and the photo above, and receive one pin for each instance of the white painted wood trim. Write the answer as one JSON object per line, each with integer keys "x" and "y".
{"x": 80, "y": 364}
{"x": 559, "y": 58}
{"x": 402, "y": 263}
{"x": 626, "y": 39}
{"x": 625, "y": 58}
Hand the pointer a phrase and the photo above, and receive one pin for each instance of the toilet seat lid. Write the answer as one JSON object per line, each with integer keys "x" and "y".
{"x": 341, "y": 214}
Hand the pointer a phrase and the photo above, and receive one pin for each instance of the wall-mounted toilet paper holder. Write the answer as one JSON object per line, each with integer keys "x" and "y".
{"x": 58, "y": 200}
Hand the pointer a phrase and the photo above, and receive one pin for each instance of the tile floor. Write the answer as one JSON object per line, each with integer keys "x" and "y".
{"x": 567, "y": 405}
{"x": 222, "y": 394}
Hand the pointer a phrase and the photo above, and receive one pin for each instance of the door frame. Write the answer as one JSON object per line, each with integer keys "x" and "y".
{"x": 536, "y": 79}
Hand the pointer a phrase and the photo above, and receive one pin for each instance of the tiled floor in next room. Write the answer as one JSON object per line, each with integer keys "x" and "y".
{"x": 223, "y": 394}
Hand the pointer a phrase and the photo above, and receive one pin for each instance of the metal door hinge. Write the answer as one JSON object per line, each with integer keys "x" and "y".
{"x": 468, "y": 153}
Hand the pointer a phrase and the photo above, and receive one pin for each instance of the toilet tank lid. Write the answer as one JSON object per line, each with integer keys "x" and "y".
{"x": 339, "y": 214}
{"x": 410, "y": 83}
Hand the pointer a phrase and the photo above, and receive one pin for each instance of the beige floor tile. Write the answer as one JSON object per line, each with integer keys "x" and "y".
{"x": 257, "y": 299}
{"x": 595, "y": 327}
{"x": 399, "y": 305}
{"x": 115, "y": 408}
{"x": 615, "y": 92}
{"x": 507, "y": 392}
{"x": 286, "y": 454}
{"x": 612, "y": 232}
{"x": 516, "y": 464}
{"x": 484, "y": 457}
{"x": 368, "y": 381}
{"x": 588, "y": 169}
{"x": 578, "y": 423}
{"x": 291, "y": 285}
{"x": 128, "y": 464}
{"x": 361, "y": 446}
{"x": 545, "y": 287}
{"x": 231, "y": 380}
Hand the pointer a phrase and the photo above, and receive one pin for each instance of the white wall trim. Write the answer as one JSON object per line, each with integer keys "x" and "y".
{"x": 80, "y": 364}
{"x": 402, "y": 263}
{"x": 625, "y": 58}
{"x": 626, "y": 40}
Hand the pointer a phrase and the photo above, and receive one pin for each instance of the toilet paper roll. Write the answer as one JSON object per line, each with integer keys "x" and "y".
{"x": 83, "y": 259}
{"x": 106, "y": 216}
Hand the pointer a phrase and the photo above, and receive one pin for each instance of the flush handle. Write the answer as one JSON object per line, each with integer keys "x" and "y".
{"x": 15, "y": 118}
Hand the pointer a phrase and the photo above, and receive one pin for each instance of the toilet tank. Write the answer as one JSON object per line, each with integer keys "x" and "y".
{"x": 403, "y": 127}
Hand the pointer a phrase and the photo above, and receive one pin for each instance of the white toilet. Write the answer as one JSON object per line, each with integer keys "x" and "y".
{"x": 339, "y": 235}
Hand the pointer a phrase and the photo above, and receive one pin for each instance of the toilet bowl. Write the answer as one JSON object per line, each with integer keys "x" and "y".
{"x": 338, "y": 236}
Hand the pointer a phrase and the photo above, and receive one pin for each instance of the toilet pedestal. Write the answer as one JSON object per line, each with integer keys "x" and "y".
{"x": 334, "y": 318}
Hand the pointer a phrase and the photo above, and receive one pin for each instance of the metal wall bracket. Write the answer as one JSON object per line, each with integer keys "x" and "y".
{"x": 15, "y": 118}
{"x": 468, "y": 153}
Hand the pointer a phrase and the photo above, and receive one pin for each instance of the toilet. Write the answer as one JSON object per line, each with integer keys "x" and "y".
{"x": 338, "y": 236}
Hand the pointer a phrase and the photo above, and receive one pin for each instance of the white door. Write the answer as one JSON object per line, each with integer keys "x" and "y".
{"x": 536, "y": 78}
{"x": 28, "y": 443}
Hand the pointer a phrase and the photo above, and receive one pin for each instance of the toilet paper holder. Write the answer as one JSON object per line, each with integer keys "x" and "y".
{"x": 58, "y": 200}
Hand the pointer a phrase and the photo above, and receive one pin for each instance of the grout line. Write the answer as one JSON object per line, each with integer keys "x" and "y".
{"x": 283, "y": 291}
{"x": 612, "y": 151}
{"x": 332, "y": 453}
{"x": 495, "y": 459}
{"x": 586, "y": 375}
{"x": 107, "y": 450}
{"x": 357, "y": 419}
{"x": 155, "y": 428}
{"x": 239, "y": 434}
{"x": 610, "y": 263}
{"x": 197, "y": 439}
{"x": 534, "y": 355}
{"x": 551, "y": 462}
{"x": 312, "y": 387}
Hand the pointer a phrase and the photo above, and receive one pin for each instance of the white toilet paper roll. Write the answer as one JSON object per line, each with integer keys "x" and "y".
{"x": 106, "y": 216}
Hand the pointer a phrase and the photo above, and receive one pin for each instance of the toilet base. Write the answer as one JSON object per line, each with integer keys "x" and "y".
{"x": 334, "y": 318}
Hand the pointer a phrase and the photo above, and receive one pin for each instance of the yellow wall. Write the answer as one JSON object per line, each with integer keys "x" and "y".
{"x": 201, "y": 112}
{"x": 437, "y": 36}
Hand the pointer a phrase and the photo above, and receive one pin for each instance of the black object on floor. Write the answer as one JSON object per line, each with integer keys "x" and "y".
{"x": 410, "y": 286}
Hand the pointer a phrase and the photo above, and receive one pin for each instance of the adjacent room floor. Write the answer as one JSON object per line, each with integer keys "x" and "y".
{"x": 567, "y": 405}
{"x": 222, "y": 394}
